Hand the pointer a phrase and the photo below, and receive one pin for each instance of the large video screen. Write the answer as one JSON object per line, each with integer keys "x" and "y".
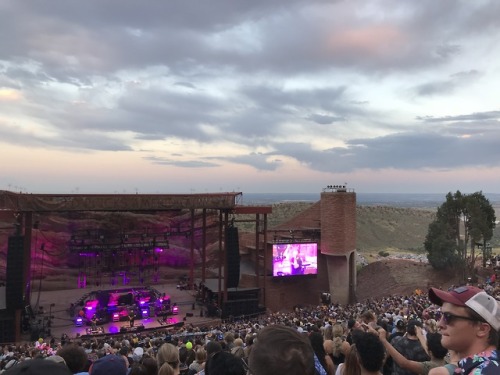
{"x": 295, "y": 259}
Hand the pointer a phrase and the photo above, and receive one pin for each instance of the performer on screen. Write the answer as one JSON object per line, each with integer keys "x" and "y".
{"x": 296, "y": 263}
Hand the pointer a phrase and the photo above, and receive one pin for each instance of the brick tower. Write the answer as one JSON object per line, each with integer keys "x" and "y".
{"x": 338, "y": 241}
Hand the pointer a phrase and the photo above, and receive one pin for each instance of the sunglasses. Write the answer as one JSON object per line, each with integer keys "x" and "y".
{"x": 448, "y": 318}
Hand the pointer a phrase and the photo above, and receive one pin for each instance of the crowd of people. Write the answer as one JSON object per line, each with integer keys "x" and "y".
{"x": 434, "y": 332}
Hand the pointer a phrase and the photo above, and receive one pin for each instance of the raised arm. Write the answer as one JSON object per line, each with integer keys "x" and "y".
{"x": 401, "y": 360}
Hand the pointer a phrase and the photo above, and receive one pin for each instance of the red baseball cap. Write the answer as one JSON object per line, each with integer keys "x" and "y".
{"x": 458, "y": 296}
{"x": 470, "y": 296}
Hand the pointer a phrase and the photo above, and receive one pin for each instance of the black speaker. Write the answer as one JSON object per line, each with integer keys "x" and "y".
{"x": 15, "y": 272}
{"x": 240, "y": 307}
{"x": 7, "y": 327}
{"x": 232, "y": 257}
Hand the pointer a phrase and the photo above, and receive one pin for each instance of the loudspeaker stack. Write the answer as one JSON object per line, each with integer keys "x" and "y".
{"x": 232, "y": 257}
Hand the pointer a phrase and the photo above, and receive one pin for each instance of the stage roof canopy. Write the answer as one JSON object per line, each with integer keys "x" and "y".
{"x": 22, "y": 202}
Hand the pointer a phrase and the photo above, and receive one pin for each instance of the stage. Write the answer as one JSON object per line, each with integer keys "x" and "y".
{"x": 57, "y": 304}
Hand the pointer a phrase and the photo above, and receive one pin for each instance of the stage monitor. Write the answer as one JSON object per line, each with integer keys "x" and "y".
{"x": 295, "y": 259}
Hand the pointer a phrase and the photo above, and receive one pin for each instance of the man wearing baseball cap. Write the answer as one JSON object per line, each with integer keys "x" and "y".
{"x": 469, "y": 325}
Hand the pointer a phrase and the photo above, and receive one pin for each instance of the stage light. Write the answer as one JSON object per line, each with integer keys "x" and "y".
{"x": 79, "y": 322}
{"x": 175, "y": 309}
{"x": 145, "y": 313}
{"x": 116, "y": 317}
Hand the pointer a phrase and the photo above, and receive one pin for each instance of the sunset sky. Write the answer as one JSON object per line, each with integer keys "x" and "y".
{"x": 120, "y": 96}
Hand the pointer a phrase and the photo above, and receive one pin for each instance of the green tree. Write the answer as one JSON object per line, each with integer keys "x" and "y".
{"x": 461, "y": 221}
{"x": 479, "y": 221}
{"x": 441, "y": 246}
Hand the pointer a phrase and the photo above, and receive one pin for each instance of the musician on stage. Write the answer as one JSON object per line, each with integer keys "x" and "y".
{"x": 93, "y": 322}
{"x": 296, "y": 263}
{"x": 131, "y": 317}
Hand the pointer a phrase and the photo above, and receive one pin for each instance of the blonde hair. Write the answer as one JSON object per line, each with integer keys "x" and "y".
{"x": 169, "y": 354}
{"x": 337, "y": 330}
{"x": 351, "y": 364}
{"x": 201, "y": 355}
{"x": 431, "y": 326}
{"x": 328, "y": 333}
{"x": 166, "y": 369}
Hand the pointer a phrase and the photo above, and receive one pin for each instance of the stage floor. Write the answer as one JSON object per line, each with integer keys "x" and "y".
{"x": 62, "y": 322}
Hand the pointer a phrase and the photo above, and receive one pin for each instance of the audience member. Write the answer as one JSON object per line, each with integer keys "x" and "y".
{"x": 224, "y": 363}
{"x": 168, "y": 356}
{"x": 281, "y": 350}
{"x": 470, "y": 324}
{"x": 109, "y": 365}
{"x": 410, "y": 347}
{"x": 75, "y": 357}
{"x": 323, "y": 362}
{"x": 38, "y": 367}
{"x": 371, "y": 353}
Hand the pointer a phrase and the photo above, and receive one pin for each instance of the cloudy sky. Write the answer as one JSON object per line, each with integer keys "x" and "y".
{"x": 254, "y": 96}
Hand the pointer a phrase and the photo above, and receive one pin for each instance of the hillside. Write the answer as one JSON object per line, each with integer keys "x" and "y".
{"x": 399, "y": 276}
{"x": 378, "y": 227}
